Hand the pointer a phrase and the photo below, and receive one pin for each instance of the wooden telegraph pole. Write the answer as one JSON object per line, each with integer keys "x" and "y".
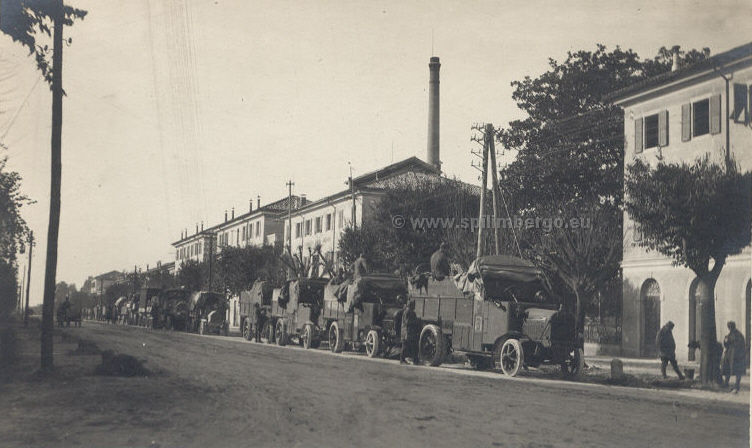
{"x": 28, "y": 279}
{"x": 289, "y": 184}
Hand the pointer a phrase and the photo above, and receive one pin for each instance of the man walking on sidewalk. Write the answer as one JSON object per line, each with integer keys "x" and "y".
{"x": 734, "y": 357}
{"x": 667, "y": 349}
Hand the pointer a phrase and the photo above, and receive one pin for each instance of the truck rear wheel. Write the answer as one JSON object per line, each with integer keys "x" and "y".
{"x": 511, "y": 357}
{"x": 336, "y": 338}
{"x": 280, "y": 333}
{"x": 373, "y": 343}
{"x": 432, "y": 345}
{"x": 574, "y": 364}
{"x": 247, "y": 333}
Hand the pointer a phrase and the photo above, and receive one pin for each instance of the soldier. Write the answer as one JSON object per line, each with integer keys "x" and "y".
{"x": 667, "y": 348}
{"x": 360, "y": 266}
{"x": 440, "y": 263}
{"x": 65, "y": 310}
{"x": 409, "y": 334}
{"x": 734, "y": 357}
{"x": 258, "y": 317}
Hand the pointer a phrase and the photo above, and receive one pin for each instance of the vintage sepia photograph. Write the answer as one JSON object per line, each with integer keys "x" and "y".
{"x": 374, "y": 223}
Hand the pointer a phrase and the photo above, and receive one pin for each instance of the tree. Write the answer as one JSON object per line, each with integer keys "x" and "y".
{"x": 412, "y": 220}
{"x": 13, "y": 231}
{"x": 692, "y": 214}
{"x": 193, "y": 275}
{"x": 23, "y": 21}
{"x": 570, "y": 161}
{"x": 239, "y": 267}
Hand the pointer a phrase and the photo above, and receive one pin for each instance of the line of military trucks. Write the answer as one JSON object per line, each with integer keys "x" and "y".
{"x": 501, "y": 313}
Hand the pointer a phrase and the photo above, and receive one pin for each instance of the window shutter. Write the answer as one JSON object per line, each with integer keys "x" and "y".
{"x": 638, "y": 136}
{"x": 686, "y": 122}
{"x": 715, "y": 114}
{"x": 663, "y": 128}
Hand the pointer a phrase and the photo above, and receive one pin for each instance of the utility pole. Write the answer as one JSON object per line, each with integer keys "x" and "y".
{"x": 289, "y": 184}
{"x": 28, "y": 279}
{"x": 487, "y": 155}
{"x": 19, "y": 301}
{"x": 352, "y": 194}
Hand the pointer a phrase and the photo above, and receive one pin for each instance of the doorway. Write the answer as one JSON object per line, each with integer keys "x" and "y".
{"x": 650, "y": 300}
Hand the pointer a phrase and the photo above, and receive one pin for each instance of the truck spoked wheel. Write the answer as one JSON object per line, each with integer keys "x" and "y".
{"x": 307, "y": 336}
{"x": 373, "y": 344}
{"x": 247, "y": 330}
{"x": 280, "y": 333}
{"x": 432, "y": 345}
{"x": 511, "y": 357}
{"x": 336, "y": 336}
{"x": 572, "y": 367}
{"x": 202, "y": 328}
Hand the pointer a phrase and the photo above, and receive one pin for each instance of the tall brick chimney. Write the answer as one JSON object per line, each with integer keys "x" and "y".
{"x": 433, "y": 113}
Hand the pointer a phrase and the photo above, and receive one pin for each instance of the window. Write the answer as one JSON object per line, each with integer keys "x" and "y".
{"x": 741, "y": 108}
{"x": 318, "y": 224}
{"x": 245, "y": 233}
{"x": 308, "y": 227}
{"x": 700, "y": 118}
{"x": 341, "y": 219}
{"x": 297, "y": 230}
{"x": 258, "y": 228}
{"x": 328, "y": 221}
{"x": 651, "y": 131}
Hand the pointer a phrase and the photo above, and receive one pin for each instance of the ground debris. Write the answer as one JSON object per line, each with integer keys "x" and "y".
{"x": 120, "y": 365}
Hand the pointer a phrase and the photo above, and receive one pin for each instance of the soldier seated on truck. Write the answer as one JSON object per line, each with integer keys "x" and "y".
{"x": 440, "y": 263}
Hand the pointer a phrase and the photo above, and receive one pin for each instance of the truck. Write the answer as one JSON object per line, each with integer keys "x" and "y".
{"x": 146, "y": 298}
{"x": 173, "y": 309}
{"x": 365, "y": 316}
{"x": 207, "y": 312}
{"x": 261, "y": 293}
{"x": 501, "y": 313}
{"x": 295, "y": 312}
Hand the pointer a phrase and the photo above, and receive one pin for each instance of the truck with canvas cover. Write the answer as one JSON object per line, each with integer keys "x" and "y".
{"x": 260, "y": 293}
{"x": 173, "y": 304}
{"x": 501, "y": 312}
{"x": 364, "y": 313}
{"x": 207, "y": 311}
{"x": 296, "y": 308}
{"x": 146, "y": 298}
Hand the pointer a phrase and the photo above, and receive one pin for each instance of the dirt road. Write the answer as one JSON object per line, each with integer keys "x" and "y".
{"x": 214, "y": 392}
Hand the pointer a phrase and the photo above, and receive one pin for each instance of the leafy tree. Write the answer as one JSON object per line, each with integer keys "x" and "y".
{"x": 25, "y": 21}
{"x": 239, "y": 267}
{"x": 115, "y": 291}
{"x": 412, "y": 220}
{"x": 193, "y": 275}
{"x": 13, "y": 231}
{"x": 693, "y": 213}
{"x": 570, "y": 161}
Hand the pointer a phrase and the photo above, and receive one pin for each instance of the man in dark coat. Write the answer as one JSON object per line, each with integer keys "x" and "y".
{"x": 734, "y": 357}
{"x": 667, "y": 349}
{"x": 360, "y": 266}
{"x": 409, "y": 334}
{"x": 440, "y": 263}
{"x": 258, "y": 321}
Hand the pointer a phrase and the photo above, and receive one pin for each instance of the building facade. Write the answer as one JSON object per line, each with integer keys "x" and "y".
{"x": 689, "y": 113}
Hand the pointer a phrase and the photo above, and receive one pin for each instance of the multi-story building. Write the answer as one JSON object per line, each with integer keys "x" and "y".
{"x": 320, "y": 223}
{"x": 196, "y": 246}
{"x": 688, "y": 113}
{"x": 100, "y": 283}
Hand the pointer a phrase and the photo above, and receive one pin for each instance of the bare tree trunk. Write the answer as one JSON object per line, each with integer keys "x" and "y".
{"x": 48, "y": 305}
{"x": 709, "y": 357}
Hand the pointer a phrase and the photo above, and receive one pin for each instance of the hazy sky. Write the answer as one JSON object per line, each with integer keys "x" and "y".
{"x": 179, "y": 110}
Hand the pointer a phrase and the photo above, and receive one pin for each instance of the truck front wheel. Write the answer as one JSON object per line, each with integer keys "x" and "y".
{"x": 280, "y": 333}
{"x": 572, "y": 367}
{"x": 511, "y": 357}
{"x": 373, "y": 343}
{"x": 432, "y": 345}
{"x": 336, "y": 338}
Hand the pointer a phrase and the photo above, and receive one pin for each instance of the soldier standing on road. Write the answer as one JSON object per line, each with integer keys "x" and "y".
{"x": 360, "y": 266}
{"x": 734, "y": 356}
{"x": 258, "y": 318}
{"x": 667, "y": 348}
{"x": 440, "y": 263}
{"x": 409, "y": 334}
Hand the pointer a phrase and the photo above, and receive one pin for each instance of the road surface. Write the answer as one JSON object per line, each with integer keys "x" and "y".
{"x": 212, "y": 391}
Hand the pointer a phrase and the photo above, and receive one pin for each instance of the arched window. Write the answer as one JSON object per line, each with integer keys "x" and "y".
{"x": 694, "y": 317}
